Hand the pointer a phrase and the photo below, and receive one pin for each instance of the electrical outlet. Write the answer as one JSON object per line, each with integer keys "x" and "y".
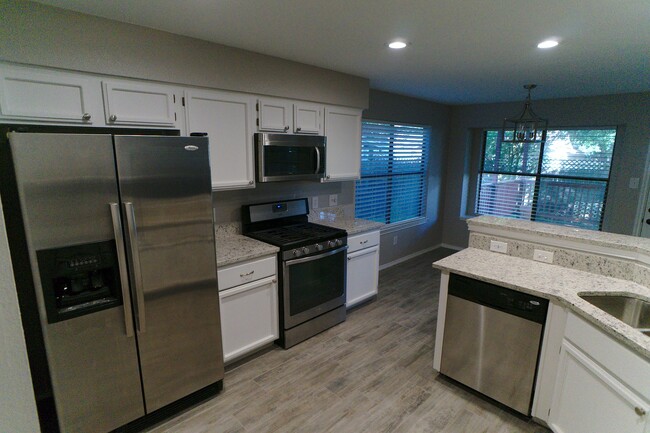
{"x": 395, "y": 240}
{"x": 314, "y": 202}
{"x": 634, "y": 183}
{"x": 334, "y": 199}
{"x": 499, "y": 247}
{"x": 543, "y": 256}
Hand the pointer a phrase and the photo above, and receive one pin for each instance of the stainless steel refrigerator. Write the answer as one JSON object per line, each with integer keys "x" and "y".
{"x": 118, "y": 232}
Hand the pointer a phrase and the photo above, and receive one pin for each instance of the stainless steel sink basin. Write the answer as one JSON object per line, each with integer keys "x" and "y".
{"x": 633, "y": 311}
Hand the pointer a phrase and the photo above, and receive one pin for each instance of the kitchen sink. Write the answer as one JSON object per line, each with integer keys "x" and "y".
{"x": 628, "y": 309}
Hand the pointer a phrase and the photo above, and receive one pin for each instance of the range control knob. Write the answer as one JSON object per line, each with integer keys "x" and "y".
{"x": 330, "y": 244}
{"x": 339, "y": 242}
{"x": 296, "y": 253}
{"x": 305, "y": 250}
{"x": 319, "y": 247}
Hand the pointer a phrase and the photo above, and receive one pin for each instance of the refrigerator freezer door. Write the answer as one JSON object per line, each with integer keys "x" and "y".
{"x": 165, "y": 188}
{"x": 66, "y": 184}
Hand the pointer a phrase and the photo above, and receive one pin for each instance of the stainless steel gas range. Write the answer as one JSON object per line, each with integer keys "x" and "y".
{"x": 312, "y": 263}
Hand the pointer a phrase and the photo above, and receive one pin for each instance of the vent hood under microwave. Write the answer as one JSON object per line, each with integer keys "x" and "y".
{"x": 282, "y": 157}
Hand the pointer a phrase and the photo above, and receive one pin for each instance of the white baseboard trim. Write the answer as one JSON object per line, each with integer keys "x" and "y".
{"x": 417, "y": 253}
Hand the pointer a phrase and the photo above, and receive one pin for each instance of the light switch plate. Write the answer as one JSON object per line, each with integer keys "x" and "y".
{"x": 334, "y": 199}
{"x": 499, "y": 247}
{"x": 543, "y": 256}
{"x": 314, "y": 202}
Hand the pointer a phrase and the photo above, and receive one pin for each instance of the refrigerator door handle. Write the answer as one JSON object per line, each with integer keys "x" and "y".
{"x": 121, "y": 261}
{"x": 137, "y": 271}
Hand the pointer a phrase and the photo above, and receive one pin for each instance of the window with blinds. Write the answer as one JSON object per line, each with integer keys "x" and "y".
{"x": 562, "y": 180}
{"x": 393, "y": 182}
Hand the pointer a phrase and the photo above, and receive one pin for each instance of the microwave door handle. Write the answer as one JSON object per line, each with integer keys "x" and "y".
{"x": 317, "y": 159}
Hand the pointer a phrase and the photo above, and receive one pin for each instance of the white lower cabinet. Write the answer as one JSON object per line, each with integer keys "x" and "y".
{"x": 249, "y": 312}
{"x": 601, "y": 386}
{"x": 363, "y": 268}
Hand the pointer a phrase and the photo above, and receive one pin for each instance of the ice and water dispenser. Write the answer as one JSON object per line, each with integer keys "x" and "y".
{"x": 79, "y": 279}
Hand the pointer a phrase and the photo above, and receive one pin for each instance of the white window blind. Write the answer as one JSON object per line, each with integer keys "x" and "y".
{"x": 393, "y": 180}
{"x": 562, "y": 180}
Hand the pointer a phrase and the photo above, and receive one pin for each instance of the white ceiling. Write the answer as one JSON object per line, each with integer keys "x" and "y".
{"x": 462, "y": 51}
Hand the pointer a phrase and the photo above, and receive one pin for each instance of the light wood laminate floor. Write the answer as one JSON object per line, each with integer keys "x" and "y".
{"x": 372, "y": 373}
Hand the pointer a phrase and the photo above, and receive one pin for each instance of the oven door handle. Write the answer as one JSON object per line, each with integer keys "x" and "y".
{"x": 319, "y": 256}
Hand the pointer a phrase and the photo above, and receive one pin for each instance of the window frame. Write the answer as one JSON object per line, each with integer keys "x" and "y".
{"x": 538, "y": 175}
{"x": 411, "y": 222}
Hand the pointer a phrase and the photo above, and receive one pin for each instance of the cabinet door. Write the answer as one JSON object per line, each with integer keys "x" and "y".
{"x": 249, "y": 317}
{"x": 28, "y": 94}
{"x": 138, "y": 104}
{"x": 343, "y": 132}
{"x": 274, "y": 115}
{"x": 588, "y": 399}
{"x": 362, "y": 275}
{"x": 307, "y": 119}
{"x": 227, "y": 118}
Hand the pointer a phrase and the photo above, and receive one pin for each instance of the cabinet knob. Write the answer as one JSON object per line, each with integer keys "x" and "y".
{"x": 113, "y": 118}
{"x": 250, "y": 182}
{"x": 286, "y": 128}
{"x": 298, "y": 129}
{"x": 86, "y": 117}
{"x": 639, "y": 411}
{"x": 327, "y": 177}
{"x": 647, "y": 221}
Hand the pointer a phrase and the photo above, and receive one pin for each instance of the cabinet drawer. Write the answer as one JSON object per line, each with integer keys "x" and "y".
{"x": 363, "y": 240}
{"x": 241, "y": 273}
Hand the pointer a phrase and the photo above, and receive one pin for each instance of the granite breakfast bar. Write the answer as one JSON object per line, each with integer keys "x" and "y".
{"x": 578, "y": 337}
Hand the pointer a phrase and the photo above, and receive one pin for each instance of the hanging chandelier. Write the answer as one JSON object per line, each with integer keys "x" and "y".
{"x": 527, "y": 127}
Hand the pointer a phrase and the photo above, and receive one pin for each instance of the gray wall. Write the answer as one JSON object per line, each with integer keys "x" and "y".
{"x": 627, "y": 111}
{"x": 17, "y": 404}
{"x": 32, "y": 33}
{"x": 397, "y": 108}
{"x": 227, "y": 204}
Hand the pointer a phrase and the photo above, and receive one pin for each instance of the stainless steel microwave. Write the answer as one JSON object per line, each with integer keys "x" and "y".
{"x": 281, "y": 157}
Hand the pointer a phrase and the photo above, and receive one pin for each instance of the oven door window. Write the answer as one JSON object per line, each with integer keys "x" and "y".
{"x": 316, "y": 282}
{"x": 290, "y": 160}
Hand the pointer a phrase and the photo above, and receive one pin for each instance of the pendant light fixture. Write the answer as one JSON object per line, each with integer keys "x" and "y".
{"x": 527, "y": 127}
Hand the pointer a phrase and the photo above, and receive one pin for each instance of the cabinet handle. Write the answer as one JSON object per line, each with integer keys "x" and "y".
{"x": 113, "y": 118}
{"x": 86, "y": 117}
{"x": 364, "y": 242}
{"x": 298, "y": 129}
{"x": 639, "y": 411}
{"x": 286, "y": 128}
{"x": 247, "y": 274}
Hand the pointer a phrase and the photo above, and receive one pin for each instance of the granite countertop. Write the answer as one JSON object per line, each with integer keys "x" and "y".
{"x": 351, "y": 225}
{"x": 593, "y": 237}
{"x": 233, "y": 248}
{"x": 555, "y": 283}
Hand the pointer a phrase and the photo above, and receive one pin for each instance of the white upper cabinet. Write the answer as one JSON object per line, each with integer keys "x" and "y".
{"x": 281, "y": 115}
{"x": 343, "y": 132}
{"x": 307, "y": 119}
{"x": 132, "y": 103}
{"x": 227, "y": 118}
{"x": 274, "y": 115}
{"x": 31, "y": 94}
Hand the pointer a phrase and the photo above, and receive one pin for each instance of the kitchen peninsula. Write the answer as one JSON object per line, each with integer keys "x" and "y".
{"x": 593, "y": 371}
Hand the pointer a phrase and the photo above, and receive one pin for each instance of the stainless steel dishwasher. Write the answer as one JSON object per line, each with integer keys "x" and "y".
{"x": 492, "y": 339}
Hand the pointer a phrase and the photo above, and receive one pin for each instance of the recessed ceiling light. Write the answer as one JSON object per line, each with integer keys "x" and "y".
{"x": 550, "y": 43}
{"x": 397, "y": 45}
